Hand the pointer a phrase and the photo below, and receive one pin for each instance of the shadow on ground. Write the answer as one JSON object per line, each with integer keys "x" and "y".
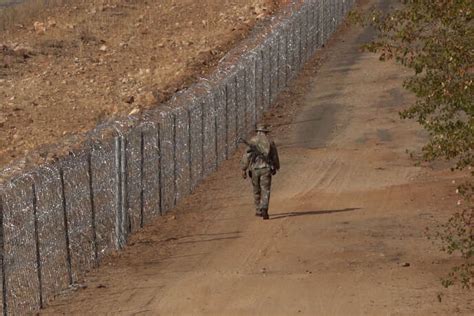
{"x": 309, "y": 213}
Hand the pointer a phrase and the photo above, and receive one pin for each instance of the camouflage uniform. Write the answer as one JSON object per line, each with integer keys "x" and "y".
{"x": 261, "y": 169}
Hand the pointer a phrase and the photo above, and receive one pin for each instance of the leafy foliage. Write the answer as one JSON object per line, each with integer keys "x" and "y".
{"x": 456, "y": 236}
{"x": 435, "y": 38}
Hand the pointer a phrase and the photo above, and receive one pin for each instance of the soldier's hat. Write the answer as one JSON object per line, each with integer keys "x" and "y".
{"x": 262, "y": 128}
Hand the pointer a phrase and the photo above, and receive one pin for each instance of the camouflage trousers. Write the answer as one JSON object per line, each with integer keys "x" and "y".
{"x": 261, "y": 181}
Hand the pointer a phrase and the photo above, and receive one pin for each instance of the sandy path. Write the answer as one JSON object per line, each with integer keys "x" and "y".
{"x": 348, "y": 209}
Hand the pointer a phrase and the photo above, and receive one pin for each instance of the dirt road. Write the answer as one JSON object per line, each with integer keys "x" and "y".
{"x": 346, "y": 234}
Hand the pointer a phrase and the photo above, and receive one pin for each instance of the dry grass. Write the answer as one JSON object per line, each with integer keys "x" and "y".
{"x": 23, "y": 12}
{"x": 85, "y": 59}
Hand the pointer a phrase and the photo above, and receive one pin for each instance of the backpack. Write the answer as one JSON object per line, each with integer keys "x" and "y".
{"x": 260, "y": 147}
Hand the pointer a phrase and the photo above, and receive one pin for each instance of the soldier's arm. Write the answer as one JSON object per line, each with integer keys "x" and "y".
{"x": 245, "y": 161}
{"x": 275, "y": 158}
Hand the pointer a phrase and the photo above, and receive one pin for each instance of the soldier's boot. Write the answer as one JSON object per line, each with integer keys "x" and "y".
{"x": 258, "y": 212}
{"x": 265, "y": 213}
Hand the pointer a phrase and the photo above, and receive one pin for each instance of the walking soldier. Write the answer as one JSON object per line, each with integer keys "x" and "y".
{"x": 261, "y": 162}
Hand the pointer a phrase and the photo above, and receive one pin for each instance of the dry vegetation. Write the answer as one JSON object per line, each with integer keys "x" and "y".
{"x": 18, "y": 12}
{"x": 67, "y": 65}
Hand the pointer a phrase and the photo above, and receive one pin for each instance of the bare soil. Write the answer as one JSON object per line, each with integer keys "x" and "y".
{"x": 79, "y": 64}
{"x": 346, "y": 234}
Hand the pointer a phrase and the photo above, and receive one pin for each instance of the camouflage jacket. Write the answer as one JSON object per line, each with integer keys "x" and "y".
{"x": 265, "y": 146}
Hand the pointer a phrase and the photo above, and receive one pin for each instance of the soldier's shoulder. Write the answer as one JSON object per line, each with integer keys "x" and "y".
{"x": 254, "y": 139}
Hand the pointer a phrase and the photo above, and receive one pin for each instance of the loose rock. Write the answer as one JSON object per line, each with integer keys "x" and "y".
{"x": 130, "y": 99}
{"x": 39, "y": 27}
